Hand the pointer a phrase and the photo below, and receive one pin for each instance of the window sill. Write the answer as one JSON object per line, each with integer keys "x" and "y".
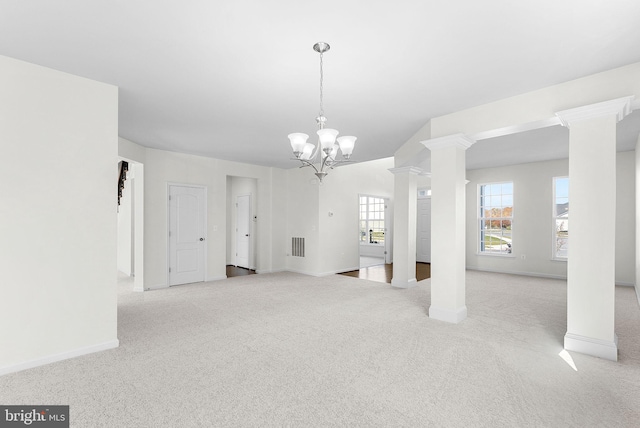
{"x": 506, "y": 256}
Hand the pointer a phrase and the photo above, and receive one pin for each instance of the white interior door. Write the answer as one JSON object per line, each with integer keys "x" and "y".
{"x": 243, "y": 231}
{"x": 187, "y": 219}
{"x": 423, "y": 240}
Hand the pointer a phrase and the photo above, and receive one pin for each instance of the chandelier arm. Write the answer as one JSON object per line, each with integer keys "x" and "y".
{"x": 306, "y": 163}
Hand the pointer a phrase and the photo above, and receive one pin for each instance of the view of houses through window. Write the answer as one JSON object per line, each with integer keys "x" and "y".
{"x": 561, "y": 217}
{"x": 495, "y": 218}
{"x": 371, "y": 220}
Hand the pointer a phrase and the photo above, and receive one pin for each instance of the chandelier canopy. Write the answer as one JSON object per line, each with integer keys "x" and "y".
{"x": 322, "y": 155}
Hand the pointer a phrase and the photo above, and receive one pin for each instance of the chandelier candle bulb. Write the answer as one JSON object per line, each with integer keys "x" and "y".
{"x": 298, "y": 142}
{"x": 307, "y": 151}
{"x": 327, "y": 138}
{"x": 331, "y": 153}
{"x": 347, "y": 143}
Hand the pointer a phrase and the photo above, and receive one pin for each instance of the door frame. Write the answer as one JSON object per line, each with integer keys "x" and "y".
{"x": 168, "y": 224}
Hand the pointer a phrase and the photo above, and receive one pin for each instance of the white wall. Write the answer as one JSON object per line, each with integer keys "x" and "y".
{"x": 162, "y": 167}
{"x": 533, "y": 226}
{"x": 302, "y": 218}
{"x": 332, "y": 243}
{"x": 58, "y": 135}
{"x": 538, "y": 108}
{"x": 340, "y": 196}
{"x": 637, "y": 215}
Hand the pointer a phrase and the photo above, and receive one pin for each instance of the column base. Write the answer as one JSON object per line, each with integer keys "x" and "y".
{"x": 449, "y": 315}
{"x": 404, "y": 284}
{"x": 591, "y": 346}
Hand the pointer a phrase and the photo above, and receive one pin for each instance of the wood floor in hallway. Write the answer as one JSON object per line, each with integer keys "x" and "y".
{"x": 384, "y": 273}
{"x": 379, "y": 273}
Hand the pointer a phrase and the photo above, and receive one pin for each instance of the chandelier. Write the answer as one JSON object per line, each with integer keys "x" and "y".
{"x": 322, "y": 155}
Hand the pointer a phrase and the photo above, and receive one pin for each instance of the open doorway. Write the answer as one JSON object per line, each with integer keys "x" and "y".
{"x": 373, "y": 230}
{"x": 130, "y": 228}
{"x": 423, "y": 227}
{"x": 242, "y": 224}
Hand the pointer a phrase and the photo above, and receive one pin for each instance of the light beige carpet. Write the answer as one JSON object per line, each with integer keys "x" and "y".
{"x": 290, "y": 350}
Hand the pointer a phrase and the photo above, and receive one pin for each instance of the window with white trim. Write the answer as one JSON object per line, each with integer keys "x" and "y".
{"x": 495, "y": 218}
{"x": 372, "y": 220}
{"x": 561, "y": 217}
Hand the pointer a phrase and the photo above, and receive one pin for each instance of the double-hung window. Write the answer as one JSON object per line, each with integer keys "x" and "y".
{"x": 495, "y": 218}
{"x": 561, "y": 217}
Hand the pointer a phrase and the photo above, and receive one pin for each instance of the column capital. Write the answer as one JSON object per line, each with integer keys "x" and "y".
{"x": 408, "y": 170}
{"x": 456, "y": 140}
{"x": 620, "y": 107}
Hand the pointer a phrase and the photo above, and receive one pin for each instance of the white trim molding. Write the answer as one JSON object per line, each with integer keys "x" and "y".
{"x": 454, "y": 316}
{"x": 408, "y": 170}
{"x": 404, "y": 284}
{"x": 456, "y": 140}
{"x": 620, "y": 107}
{"x": 59, "y": 357}
{"x": 591, "y": 346}
{"x": 216, "y": 278}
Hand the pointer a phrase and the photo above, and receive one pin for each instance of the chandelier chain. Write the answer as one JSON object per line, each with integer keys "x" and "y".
{"x": 321, "y": 114}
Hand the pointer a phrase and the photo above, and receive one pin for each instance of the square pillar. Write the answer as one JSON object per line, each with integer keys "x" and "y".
{"x": 448, "y": 225}
{"x": 591, "y": 262}
{"x": 405, "y": 206}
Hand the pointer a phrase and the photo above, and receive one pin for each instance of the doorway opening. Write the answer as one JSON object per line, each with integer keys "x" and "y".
{"x": 130, "y": 229}
{"x": 373, "y": 230}
{"x": 242, "y": 224}
{"x": 423, "y": 227}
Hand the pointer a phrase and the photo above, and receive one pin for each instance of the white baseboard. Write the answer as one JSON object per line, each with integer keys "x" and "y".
{"x": 534, "y": 274}
{"x": 156, "y": 287}
{"x": 591, "y": 346}
{"x": 404, "y": 284}
{"x": 59, "y": 357}
{"x": 538, "y": 275}
{"x": 625, "y": 284}
{"x": 259, "y": 271}
{"x": 216, "y": 278}
{"x": 453, "y": 316}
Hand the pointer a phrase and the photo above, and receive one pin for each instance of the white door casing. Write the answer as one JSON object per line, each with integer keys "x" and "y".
{"x": 387, "y": 235}
{"x": 243, "y": 231}
{"x": 423, "y": 241}
{"x": 187, "y": 230}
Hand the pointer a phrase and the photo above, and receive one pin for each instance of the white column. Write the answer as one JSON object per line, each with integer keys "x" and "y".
{"x": 591, "y": 263}
{"x": 448, "y": 260}
{"x": 405, "y": 199}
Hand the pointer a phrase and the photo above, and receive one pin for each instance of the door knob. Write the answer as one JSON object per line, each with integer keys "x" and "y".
{"x": 202, "y": 239}
{"x": 246, "y": 234}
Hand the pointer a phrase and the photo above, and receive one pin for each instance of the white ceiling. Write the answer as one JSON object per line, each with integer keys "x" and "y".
{"x": 231, "y": 79}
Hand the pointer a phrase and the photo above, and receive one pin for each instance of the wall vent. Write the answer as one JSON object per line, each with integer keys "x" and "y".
{"x": 297, "y": 247}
